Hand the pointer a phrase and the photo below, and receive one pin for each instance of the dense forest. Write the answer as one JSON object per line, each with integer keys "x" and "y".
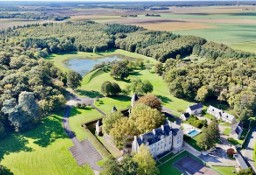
{"x": 34, "y": 16}
{"x": 31, "y": 87}
{"x": 231, "y": 81}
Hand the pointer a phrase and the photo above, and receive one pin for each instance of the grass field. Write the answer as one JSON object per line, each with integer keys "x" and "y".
{"x": 224, "y": 170}
{"x": 160, "y": 89}
{"x": 80, "y": 116}
{"x": 43, "y": 150}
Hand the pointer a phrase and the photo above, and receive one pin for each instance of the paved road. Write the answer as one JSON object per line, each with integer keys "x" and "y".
{"x": 248, "y": 152}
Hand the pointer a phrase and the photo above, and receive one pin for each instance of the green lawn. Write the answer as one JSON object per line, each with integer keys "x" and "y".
{"x": 224, "y": 170}
{"x": 227, "y": 131}
{"x": 92, "y": 88}
{"x": 194, "y": 141}
{"x": 42, "y": 150}
{"x": 80, "y": 116}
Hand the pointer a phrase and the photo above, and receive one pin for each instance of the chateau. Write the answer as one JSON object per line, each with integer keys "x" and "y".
{"x": 168, "y": 137}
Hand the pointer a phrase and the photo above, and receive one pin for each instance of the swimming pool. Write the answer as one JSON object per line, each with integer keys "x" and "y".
{"x": 193, "y": 133}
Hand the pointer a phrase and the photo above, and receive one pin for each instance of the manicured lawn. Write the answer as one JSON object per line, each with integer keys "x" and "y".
{"x": 234, "y": 141}
{"x": 227, "y": 131}
{"x": 93, "y": 87}
{"x": 194, "y": 141}
{"x": 120, "y": 102}
{"x": 224, "y": 170}
{"x": 79, "y": 117}
{"x": 42, "y": 150}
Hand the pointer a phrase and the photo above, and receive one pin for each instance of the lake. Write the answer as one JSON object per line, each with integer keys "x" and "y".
{"x": 85, "y": 65}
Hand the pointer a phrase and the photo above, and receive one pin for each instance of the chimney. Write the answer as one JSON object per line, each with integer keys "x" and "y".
{"x": 154, "y": 131}
{"x": 162, "y": 126}
{"x": 135, "y": 138}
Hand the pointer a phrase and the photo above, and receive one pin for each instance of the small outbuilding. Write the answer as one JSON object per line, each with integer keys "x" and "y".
{"x": 195, "y": 109}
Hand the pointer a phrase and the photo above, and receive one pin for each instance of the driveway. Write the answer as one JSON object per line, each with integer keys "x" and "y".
{"x": 83, "y": 151}
{"x": 248, "y": 151}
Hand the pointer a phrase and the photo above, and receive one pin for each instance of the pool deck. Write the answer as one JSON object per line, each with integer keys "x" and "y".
{"x": 189, "y": 128}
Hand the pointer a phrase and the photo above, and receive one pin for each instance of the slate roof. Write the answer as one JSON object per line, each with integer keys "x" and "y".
{"x": 114, "y": 109}
{"x": 186, "y": 115}
{"x": 151, "y": 137}
{"x": 195, "y": 106}
{"x": 237, "y": 128}
{"x": 135, "y": 97}
{"x": 219, "y": 113}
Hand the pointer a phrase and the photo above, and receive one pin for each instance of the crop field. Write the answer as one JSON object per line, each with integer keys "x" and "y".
{"x": 5, "y": 23}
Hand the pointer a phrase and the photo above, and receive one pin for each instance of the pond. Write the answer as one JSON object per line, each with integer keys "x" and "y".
{"x": 85, "y": 65}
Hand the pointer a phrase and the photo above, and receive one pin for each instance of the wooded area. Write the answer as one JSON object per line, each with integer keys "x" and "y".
{"x": 31, "y": 87}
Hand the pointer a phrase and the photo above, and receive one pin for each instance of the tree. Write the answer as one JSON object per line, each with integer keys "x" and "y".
{"x": 2, "y": 130}
{"x": 159, "y": 68}
{"x": 25, "y": 113}
{"x": 210, "y": 136}
{"x": 147, "y": 86}
{"x": 128, "y": 165}
{"x": 108, "y": 88}
{"x": 151, "y": 101}
{"x": 121, "y": 130}
{"x": 146, "y": 163}
{"x": 248, "y": 171}
{"x": 5, "y": 171}
{"x": 140, "y": 87}
{"x": 110, "y": 119}
{"x": 120, "y": 70}
{"x": 73, "y": 79}
{"x": 202, "y": 94}
{"x": 145, "y": 118}
{"x": 111, "y": 167}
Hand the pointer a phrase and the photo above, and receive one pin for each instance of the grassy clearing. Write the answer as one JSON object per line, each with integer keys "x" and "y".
{"x": 43, "y": 150}
{"x": 224, "y": 170}
{"x": 92, "y": 89}
{"x": 80, "y": 116}
{"x": 245, "y": 46}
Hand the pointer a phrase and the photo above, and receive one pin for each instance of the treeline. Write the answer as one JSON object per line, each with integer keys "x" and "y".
{"x": 34, "y": 16}
{"x": 231, "y": 81}
{"x": 94, "y": 37}
{"x": 30, "y": 88}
